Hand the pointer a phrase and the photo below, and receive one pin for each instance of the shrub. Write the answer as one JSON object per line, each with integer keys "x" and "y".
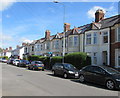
{"x": 55, "y": 59}
{"x": 78, "y": 59}
{"x": 5, "y": 57}
{"x": 34, "y": 58}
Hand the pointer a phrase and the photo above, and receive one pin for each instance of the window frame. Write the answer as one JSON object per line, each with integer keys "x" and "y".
{"x": 88, "y": 37}
{"x": 105, "y": 35}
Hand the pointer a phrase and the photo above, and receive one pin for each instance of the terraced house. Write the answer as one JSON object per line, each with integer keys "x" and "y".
{"x": 99, "y": 39}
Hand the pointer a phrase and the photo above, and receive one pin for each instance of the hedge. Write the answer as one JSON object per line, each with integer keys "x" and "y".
{"x": 5, "y": 57}
{"x": 33, "y": 58}
{"x": 78, "y": 59}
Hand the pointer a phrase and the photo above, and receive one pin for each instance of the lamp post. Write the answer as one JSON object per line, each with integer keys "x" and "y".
{"x": 64, "y": 30}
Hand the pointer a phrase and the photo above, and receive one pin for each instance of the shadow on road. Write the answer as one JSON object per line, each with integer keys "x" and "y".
{"x": 55, "y": 76}
{"x": 92, "y": 84}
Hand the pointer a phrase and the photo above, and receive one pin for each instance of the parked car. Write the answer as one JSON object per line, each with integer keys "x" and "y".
{"x": 4, "y": 60}
{"x": 66, "y": 70}
{"x": 101, "y": 75}
{"x": 0, "y": 59}
{"x": 10, "y": 61}
{"x": 36, "y": 65}
{"x": 23, "y": 63}
{"x": 16, "y": 62}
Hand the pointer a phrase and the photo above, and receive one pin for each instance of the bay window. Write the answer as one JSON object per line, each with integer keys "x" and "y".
{"x": 70, "y": 41}
{"x": 75, "y": 40}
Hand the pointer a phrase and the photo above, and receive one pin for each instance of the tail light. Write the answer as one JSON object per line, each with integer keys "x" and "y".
{"x": 43, "y": 65}
{"x": 35, "y": 64}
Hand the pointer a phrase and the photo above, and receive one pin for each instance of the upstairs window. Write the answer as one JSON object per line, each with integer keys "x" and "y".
{"x": 118, "y": 60}
{"x": 105, "y": 37}
{"x": 70, "y": 41}
{"x": 95, "y": 38}
{"x": 48, "y": 45}
{"x": 57, "y": 44}
{"x": 38, "y": 47}
{"x": 75, "y": 40}
{"x": 117, "y": 34}
{"x": 88, "y": 39}
{"x": 94, "y": 58}
{"x": 32, "y": 48}
{"x": 41, "y": 47}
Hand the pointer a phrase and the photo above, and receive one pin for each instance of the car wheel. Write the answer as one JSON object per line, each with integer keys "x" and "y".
{"x": 33, "y": 68}
{"x": 65, "y": 76}
{"x": 53, "y": 72}
{"x": 81, "y": 78}
{"x": 42, "y": 69}
{"x": 110, "y": 84}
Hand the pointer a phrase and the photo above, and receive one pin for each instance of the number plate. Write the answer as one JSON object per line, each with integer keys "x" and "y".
{"x": 39, "y": 67}
{"x": 76, "y": 75}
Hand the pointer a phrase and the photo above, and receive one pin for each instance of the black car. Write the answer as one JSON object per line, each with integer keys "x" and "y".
{"x": 66, "y": 70}
{"x": 23, "y": 63}
{"x": 101, "y": 75}
{"x": 36, "y": 65}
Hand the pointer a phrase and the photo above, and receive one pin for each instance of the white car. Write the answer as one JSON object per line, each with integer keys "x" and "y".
{"x": 4, "y": 60}
{"x": 16, "y": 62}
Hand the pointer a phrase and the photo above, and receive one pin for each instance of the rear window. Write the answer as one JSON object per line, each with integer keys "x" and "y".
{"x": 18, "y": 60}
{"x": 38, "y": 62}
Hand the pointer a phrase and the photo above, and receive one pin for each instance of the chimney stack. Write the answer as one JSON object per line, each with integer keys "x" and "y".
{"x": 47, "y": 34}
{"x": 66, "y": 27}
{"x": 99, "y": 15}
{"x": 10, "y": 48}
{"x": 17, "y": 46}
{"x": 23, "y": 44}
{"x": 6, "y": 48}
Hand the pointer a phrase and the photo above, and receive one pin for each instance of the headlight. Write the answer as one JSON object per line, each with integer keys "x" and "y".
{"x": 71, "y": 72}
{"x": 117, "y": 79}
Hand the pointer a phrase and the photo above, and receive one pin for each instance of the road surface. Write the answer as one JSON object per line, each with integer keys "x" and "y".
{"x": 18, "y": 81}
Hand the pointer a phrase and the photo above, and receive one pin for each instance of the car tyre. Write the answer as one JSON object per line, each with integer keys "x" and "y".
{"x": 110, "y": 84}
{"x": 54, "y": 73}
{"x": 65, "y": 75}
{"x": 81, "y": 78}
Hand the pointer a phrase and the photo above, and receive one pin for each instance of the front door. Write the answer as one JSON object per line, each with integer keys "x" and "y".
{"x": 105, "y": 58}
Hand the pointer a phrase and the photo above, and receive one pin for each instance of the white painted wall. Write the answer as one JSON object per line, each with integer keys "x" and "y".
{"x": 99, "y": 47}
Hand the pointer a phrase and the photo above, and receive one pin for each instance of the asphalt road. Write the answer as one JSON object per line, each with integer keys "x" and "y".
{"x": 22, "y": 82}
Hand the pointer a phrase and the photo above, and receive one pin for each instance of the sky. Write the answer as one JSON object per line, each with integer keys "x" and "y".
{"x": 28, "y": 21}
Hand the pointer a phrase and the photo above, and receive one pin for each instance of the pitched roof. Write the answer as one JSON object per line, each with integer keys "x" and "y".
{"x": 110, "y": 21}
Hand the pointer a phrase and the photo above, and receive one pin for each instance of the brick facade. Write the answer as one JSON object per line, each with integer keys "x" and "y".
{"x": 113, "y": 45}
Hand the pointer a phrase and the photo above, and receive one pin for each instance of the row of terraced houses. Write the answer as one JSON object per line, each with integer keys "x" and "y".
{"x": 99, "y": 39}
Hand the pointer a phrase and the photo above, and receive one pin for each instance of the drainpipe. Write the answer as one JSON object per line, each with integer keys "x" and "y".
{"x": 110, "y": 46}
{"x": 84, "y": 42}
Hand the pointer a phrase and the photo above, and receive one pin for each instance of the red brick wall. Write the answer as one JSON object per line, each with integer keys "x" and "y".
{"x": 113, "y": 45}
{"x": 112, "y": 48}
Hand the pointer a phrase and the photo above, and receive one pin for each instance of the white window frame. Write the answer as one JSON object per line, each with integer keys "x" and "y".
{"x": 95, "y": 57}
{"x": 95, "y": 38}
{"x": 104, "y": 35}
{"x": 70, "y": 41}
{"x": 117, "y": 32}
{"x": 76, "y": 41}
{"x": 88, "y": 37}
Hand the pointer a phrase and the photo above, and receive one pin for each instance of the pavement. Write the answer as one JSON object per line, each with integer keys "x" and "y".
{"x": 17, "y": 81}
